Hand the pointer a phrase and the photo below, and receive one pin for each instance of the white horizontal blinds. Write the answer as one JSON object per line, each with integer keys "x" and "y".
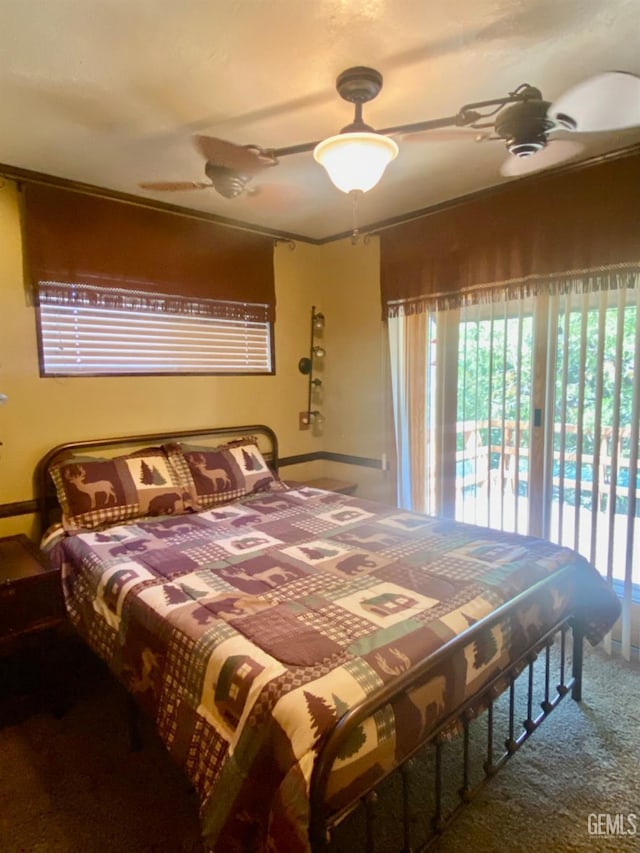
{"x": 595, "y": 477}
{"x": 88, "y": 331}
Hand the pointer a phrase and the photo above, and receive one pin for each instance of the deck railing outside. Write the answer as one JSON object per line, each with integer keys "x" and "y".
{"x": 591, "y": 486}
{"x": 499, "y": 449}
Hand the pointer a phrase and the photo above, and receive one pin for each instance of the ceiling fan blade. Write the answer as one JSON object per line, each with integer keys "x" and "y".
{"x": 175, "y": 186}
{"x": 557, "y": 151}
{"x": 608, "y": 101}
{"x": 245, "y": 159}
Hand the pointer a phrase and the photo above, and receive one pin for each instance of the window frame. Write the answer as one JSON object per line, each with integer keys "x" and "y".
{"x": 172, "y": 306}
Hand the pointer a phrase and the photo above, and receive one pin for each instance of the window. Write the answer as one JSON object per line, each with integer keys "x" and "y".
{"x": 92, "y": 331}
{"x": 124, "y": 288}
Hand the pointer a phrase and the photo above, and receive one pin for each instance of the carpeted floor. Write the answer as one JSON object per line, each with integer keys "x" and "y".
{"x": 71, "y": 785}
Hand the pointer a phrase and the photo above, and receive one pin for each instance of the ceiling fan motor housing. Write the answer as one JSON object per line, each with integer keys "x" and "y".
{"x": 524, "y": 126}
{"x": 359, "y": 84}
{"x": 226, "y": 181}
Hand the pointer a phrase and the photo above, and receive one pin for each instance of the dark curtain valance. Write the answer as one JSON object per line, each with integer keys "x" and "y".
{"x": 84, "y": 239}
{"x": 587, "y": 219}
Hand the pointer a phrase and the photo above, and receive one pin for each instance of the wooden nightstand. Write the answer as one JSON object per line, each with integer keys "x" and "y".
{"x": 31, "y": 609}
{"x": 30, "y": 591}
{"x": 330, "y": 484}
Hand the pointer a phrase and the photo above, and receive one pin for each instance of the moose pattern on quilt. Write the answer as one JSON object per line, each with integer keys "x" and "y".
{"x": 248, "y": 629}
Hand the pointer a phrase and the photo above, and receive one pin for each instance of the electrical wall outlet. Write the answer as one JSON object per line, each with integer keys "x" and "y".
{"x": 384, "y": 462}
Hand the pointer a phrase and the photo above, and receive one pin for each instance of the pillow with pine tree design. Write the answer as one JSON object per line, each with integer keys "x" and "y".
{"x": 225, "y": 473}
{"x": 100, "y": 492}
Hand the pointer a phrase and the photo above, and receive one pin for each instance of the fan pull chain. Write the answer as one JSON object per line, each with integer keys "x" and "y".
{"x": 355, "y": 233}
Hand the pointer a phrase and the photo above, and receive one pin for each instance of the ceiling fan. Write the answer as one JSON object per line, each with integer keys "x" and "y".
{"x": 522, "y": 120}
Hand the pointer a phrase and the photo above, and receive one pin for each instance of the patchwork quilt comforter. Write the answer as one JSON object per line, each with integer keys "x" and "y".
{"x": 248, "y": 629}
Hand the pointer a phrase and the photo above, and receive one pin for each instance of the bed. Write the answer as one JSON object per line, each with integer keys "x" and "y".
{"x": 295, "y": 646}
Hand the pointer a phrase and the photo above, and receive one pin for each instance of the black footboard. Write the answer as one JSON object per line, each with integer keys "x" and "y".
{"x": 516, "y": 701}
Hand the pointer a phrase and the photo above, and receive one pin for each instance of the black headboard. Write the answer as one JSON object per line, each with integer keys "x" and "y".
{"x": 48, "y": 507}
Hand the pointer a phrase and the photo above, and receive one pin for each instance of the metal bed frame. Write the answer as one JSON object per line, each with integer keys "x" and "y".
{"x": 569, "y": 679}
{"x": 324, "y": 823}
{"x": 48, "y": 508}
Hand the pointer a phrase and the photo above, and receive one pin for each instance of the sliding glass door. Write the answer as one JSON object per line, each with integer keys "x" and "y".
{"x": 535, "y": 404}
{"x": 493, "y": 382}
{"x": 592, "y": 481}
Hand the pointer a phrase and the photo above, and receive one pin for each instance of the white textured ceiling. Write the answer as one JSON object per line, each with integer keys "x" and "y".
{"x": 110, "y": 92}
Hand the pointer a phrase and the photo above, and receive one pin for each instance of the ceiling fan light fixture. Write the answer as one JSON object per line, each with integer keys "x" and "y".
{"x": 355, "y": 161}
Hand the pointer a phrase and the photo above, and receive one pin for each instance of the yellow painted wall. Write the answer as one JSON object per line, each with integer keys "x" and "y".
{"x": 341, "y": 279}
{"x": 355, "y": 402}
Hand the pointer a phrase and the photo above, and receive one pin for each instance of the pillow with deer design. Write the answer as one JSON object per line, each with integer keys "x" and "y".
{"x": 226, "y": 473}
{"x": 100, "y": 492}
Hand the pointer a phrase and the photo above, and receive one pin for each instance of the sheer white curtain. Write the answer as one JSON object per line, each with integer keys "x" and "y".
{"x": 411, "y": 354}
